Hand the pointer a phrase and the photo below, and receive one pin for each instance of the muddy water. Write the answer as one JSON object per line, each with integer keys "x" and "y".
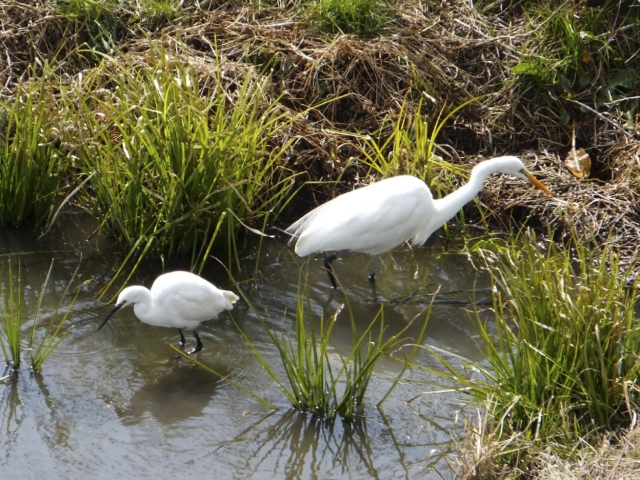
{"x": 116, "y": 404}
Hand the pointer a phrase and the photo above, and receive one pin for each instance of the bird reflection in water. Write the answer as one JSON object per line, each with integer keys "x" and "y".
{"x": 182, "y": 393}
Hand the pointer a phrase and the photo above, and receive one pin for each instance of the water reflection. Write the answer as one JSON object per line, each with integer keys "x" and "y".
{"x": 308, "y": 448}
{"x": 178, "y": 395}
{"x": 119, "y": 402}
{"x": 26, "y": 406}
{"x": 294, "y": 445}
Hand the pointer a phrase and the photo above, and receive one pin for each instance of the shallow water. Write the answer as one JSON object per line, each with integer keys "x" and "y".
{"x": 116, "y": 404}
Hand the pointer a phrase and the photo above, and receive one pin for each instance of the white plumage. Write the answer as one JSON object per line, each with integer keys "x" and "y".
{"x": 379, "y": 217}
{"x": 176, "y": 299}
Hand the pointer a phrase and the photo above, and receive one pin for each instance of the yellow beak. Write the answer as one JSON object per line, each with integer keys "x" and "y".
{"x": 537, "y": 183}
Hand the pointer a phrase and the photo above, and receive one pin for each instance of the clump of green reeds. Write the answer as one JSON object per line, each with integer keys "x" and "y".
{"x": 563, "y": 352}
{"x": 11, "y": 341}
{"x": 11, "y": 320}
{"x": 360, "y": 17}
{"x": 31, "y": 164}
{"x": 319, "y": 379}
{"x": 408, "y": 147}
{"x": 180, "y": 156}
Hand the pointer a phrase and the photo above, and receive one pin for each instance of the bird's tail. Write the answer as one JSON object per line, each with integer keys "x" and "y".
{"x": 230, "y": 298}
{"x": 296, "y": 229}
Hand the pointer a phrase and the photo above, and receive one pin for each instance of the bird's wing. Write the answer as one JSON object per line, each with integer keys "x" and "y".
{"x": 371, "y": 220}
{"x": 188, "y": 297}
{"x": 195, "y": 304}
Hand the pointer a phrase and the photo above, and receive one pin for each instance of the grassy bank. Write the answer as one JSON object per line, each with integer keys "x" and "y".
{"x": 180, "y": 126}
{"x": 188, "y": 111}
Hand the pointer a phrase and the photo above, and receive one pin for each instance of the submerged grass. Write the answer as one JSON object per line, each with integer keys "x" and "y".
{"x": 11, "y": 341}
{"x": 53, "y": 333}
{"x": 319, "y": 379}
{"x": 562, "y": 357}
{"x": 11, "y": 316}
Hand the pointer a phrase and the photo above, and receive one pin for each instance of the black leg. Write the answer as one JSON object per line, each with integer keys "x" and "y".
{"x": 372, "y": 274}
{"x": 374, "y": 293}
{"x": 182, "y": 341}
{"x": 198, "y": 343}
{"x": 329, "y": 268}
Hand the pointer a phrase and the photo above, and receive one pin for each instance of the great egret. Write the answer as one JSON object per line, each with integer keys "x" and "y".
{"x": 379, "y": 217}
{"x": 176, "y": 299}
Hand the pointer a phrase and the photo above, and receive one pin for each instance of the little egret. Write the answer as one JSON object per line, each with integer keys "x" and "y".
{"x": 176, "y": 299}
{"x": 379, "y": 217}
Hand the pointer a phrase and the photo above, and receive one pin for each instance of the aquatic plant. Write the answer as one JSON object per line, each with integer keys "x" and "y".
{"x": 52, "y": 336}
{"x": 319, "y": 379}
{"x": 181, "y": 158}
{"x": 562, "y": 354}
{"x": 11, "y": 341}
{"x": 11, "y": 319}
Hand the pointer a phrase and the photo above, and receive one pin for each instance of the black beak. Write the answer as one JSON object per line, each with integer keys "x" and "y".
{"x": 115, "y": 309}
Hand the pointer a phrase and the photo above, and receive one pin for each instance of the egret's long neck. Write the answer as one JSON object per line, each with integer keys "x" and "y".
{"x": 449, "y": 206}
{"x": 143, "y": 304}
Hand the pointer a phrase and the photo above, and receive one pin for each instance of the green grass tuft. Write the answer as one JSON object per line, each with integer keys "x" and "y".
{"x": 179, "y": 165}
{"x": 11, "y": 319}
{"x": 359, "y": 17}
{"x": 11, "y": 339}
{"x": 31, "y": 164}
{"x": 319, "y": 379}
{"x": 563, "y": 352}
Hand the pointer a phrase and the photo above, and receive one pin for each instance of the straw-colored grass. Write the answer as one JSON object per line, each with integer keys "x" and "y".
{"x": 604, "y": 455}
{"x": 441, "y": 55}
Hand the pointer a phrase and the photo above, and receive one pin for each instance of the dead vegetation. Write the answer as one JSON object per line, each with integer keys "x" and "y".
{"x": 610, "y": 456}
{"x": 444, "y": 54}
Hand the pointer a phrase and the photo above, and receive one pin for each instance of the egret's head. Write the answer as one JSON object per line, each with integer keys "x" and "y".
{"x": 514, "y": 166}
{"x": 128, "y": 296}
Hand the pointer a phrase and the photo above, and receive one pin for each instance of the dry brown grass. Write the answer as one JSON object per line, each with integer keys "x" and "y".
{"x": 445, "y": 53}
{"x": 582, "y": 210}
{"x": 451, "y": 52}
{"x": 614, "y": 457}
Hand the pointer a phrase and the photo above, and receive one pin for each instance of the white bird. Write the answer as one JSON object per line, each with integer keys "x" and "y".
{"x": 176, "y": 299}
{"x": 379, "y": 217}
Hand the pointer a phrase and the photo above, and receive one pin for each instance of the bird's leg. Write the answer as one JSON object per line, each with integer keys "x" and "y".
{"x": 198, "y": 343}
{"x": 182, "y": 341}
{"x": 374, "y": 293}
{"x": 329, "y": 268}
{"x": 372, "y": 273}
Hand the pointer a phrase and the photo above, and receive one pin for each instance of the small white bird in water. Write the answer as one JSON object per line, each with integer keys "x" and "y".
{"x": 176, "y": 299}
{"x": 379, "y": 217}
